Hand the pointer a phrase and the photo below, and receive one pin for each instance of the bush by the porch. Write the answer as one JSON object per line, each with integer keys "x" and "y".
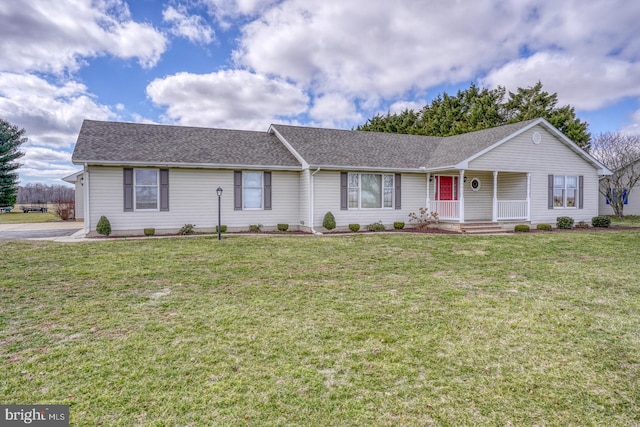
{"x": 564, "y": 222}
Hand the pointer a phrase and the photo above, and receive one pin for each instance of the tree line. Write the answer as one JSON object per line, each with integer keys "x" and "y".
{"x": 43, "y": 193}
{"x": 477, "y": 108}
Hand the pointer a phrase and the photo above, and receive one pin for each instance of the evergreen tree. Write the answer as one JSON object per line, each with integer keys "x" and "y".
{"x": 476, "y": 108}
{"x": 10, "y": 140}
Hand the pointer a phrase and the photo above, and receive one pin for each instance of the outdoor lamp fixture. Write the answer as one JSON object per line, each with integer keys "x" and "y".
{"x": 82, "y": 180}
{"x": 219, "y": 193}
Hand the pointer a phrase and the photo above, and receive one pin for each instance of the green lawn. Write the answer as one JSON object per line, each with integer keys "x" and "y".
{"x": 365, "y": 330}
{"x": 19, "y": 217}
{"x": 627, "y": 221}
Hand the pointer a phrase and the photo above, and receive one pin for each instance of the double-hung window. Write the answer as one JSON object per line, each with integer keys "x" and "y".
{"x": 251, "y": 190}
{"x": 146, "y": 189}
{"x": 565, "y": 191}
{"x": 370, "y": 190}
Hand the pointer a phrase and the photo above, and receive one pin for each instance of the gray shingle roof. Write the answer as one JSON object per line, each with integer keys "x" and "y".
{"x": 348, "y": 148}
{"x": 133, "y": 143}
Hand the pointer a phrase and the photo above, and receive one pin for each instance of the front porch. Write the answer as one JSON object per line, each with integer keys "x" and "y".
{"x": 479, "y": 196}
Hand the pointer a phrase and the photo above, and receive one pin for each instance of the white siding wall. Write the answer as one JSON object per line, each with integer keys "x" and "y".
{"x": 550, "y": 156}
{"x": 79, "y": 202}
{"x": 327, "y": 198}
{"x": 192, "y": 200}
{"x": 631, "y": 208}
{"x": 478, "y": 205}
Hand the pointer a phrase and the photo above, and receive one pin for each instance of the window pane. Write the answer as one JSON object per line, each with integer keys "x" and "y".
{"x": 146, "y": 177}
{"x": 558, "y": 181}
{"x": 353, "y": 198}
{"x": 252, "y": 198}
{"x": 388, "y": 197}
{"x": 253, "y": 179}
{"x": 353, "y": 179}
{"x": 146, "y": 197}
{"x": 572, "y": 182}
{"x": 571, "y": 198}
{"x": 388, "y": 181}
{"x": 371, "y": 194}
{"x": 558, "y": 198}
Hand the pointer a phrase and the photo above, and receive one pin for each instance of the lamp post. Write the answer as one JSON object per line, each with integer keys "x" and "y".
{"x": 219, "y": 193}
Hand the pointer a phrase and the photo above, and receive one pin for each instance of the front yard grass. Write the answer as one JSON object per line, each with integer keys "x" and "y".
{"x": 19, "y": 217}
{"x": 358, "y": 330}
{"x": 626, "y": 221}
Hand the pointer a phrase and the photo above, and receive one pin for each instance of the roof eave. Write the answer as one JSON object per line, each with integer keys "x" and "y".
{"x": 185, "y": 165}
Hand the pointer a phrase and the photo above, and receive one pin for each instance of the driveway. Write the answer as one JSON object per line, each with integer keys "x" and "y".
{"x": 41, "y": 230}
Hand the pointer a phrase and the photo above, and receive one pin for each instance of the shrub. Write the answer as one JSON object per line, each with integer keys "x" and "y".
{"x": 149, "y": 231}
{"x": 398, "y": 225}
{"x": 329, "y": 221}
{"x": 582, "y": 224}
{"x": 104, "y": 226}
{"x": 376, "y": 226}
{"x": 283, "y": 227}
{"x": 564, "y": 222}
{"x": 521, "y": 228}
{"x": 354, "y": 227}
{"x": 255, "y": 228}
{"x": 544, "y": 227}
{"x": 601, "y": 221}
{"x": 423, "y": 218}
{"x": 223, "y": 229}
{"x": 186, "y": 229}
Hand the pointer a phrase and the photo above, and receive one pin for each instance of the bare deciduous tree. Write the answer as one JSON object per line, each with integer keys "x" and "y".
{"x": 620, "y": 153}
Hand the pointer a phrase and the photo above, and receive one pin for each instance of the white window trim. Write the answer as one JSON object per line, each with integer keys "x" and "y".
{"x": 564, "y": 196}
{"x": 244, "y": 208}
{"x": 135, "y": 193}
{"x": 382, "y": 175}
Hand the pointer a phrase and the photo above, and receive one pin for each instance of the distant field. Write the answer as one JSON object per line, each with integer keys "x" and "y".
{"x": 382, "y": 329}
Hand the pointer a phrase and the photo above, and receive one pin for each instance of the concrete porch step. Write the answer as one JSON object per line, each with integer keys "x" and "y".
{"x": 482, "y": 228}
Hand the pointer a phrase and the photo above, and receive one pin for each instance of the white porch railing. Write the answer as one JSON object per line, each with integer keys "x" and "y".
{"x": 512, "y": 209}
{"x": 446, "y": 209}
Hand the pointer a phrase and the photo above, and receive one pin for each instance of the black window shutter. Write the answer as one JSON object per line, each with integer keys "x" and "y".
{"x": 398, "y": 190}
{"x": 164, "y": 189}
{"x": 267, "y": 190}
{"x": 128, "y": 189}
{"x": 344, "y": 191}
{"x": 580, "y": 192}
{"x": 237, "y": 190}
{"x": 550, "y": 196}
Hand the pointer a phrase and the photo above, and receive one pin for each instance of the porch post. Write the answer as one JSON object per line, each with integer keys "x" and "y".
{"x": 428, "y": 192}
{"x": 461, "y": 195}
{"x": 495, "y": 196}
{"x": 529, "y": 196}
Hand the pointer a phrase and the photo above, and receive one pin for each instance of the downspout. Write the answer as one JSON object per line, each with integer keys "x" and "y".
{"x": 313, "y": 230}
{"x": 87, "y": 209}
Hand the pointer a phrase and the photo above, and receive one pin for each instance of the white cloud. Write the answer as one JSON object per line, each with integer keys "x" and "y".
{"x": 50, "y": 114}
{"x": 191, "y": 27}
{"x": 225, "y": 10}
{"x": 333, "y": 109}
{"x": 370, "y": 51}
{"x": 55, "y": 36}
{"x": 584, "y": 82}
{"x": 400, "y": 106}
{"x": 231, "y": 99}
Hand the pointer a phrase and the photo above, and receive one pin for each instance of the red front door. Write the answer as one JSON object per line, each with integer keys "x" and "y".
{"x": 447, "y": 188}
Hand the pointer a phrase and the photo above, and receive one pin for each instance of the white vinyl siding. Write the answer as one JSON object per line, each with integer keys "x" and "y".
{"x": 550, "y": 157}
{"x": 327, "y": 198}
{"x": 193, "y": 201}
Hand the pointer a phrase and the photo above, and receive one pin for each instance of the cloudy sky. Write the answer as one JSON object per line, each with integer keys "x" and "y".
{"x": 244, "y": 64}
